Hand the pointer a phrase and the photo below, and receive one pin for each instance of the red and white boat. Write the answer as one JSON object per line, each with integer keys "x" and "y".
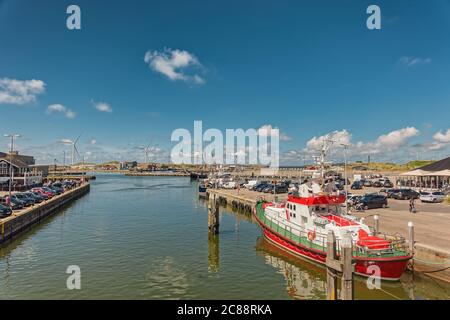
{"x": 300, "y": 226}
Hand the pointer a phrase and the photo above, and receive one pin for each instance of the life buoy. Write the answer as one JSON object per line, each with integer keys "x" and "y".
{"x": 311, "y": 235}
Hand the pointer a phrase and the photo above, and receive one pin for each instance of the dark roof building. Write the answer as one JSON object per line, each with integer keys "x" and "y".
{"x": 20, "y": 163}
{"x": 440, "y": 165}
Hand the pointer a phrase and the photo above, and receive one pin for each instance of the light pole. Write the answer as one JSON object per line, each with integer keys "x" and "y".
{"x": 11, "y": 171}
{"x": 345, "y": 175}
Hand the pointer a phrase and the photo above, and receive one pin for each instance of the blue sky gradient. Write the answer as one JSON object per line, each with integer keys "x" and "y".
{"x": 306, "y": 67}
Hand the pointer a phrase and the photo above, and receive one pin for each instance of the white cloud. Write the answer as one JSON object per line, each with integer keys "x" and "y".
{"x": 102, "y": 107}
{"x": 441, "y": 140}
{"x": 174, "y": 64}
{"x": 20, "y": 91}
{"x": 396, "y": 138}
{"x": 339, "y": 137}
{"x": 442, "y": 137}
{"x": 387, "y": 146}
{"x": 413, "y": 61}
{"x": 93, "y": 141}
{"x": 61, "y": 109}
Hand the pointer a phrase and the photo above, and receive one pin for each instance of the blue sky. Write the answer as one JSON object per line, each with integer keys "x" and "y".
{"x": 308, "y": 68}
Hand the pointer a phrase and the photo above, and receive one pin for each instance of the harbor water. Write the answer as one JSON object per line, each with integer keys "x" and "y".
{"x": 147, "y": 238}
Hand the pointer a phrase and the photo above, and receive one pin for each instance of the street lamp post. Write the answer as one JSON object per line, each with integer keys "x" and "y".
{"x": 345, "y": 176}
{"x": 11, "y": 171}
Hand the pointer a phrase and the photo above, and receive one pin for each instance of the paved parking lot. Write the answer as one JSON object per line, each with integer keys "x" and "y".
{"x": 432, "y": 220}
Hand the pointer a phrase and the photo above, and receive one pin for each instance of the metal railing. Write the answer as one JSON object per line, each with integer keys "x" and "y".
{"x": 297, "y": 234}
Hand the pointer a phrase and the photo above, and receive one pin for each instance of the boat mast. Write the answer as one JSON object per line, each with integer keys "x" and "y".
{"x": 326, "y": 145}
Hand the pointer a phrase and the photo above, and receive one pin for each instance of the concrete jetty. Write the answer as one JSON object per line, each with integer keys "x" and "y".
{"x": 21, "y": 220}
{"x": 432, "y": 222}
{"x": 157, "y": 174}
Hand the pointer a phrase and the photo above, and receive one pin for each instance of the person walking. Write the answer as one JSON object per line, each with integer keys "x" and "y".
{"x": 412, "y": 207}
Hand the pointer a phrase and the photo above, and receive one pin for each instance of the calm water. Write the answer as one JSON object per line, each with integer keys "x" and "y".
{"x": 146, "y": 238}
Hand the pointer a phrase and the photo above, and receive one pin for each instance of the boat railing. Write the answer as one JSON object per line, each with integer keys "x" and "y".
{"x": 396, "y": 243}
{"x": 299, "y": 235}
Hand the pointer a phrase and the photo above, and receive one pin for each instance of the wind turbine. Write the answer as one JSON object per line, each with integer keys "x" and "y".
{"x": 146, "y": 151}
{"x": 73, "y": 143}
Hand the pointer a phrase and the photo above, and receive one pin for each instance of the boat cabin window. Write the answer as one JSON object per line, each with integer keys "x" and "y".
{"x": 325, "y": 210}
{"x": 304, "y": 219}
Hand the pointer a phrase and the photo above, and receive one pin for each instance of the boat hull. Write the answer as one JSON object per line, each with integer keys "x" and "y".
{"x": 391, "y": 268}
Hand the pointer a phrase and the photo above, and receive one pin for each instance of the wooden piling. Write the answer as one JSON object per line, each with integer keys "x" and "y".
{"x": 411, "y": 243}
{"x": 343, "y": 266}
{"x": 213, "y": 215}
{"x": 331, "y": 272}
{"x": 346, "y": 259}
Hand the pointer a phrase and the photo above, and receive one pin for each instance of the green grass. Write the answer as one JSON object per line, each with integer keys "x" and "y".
{"x": 389, "y": 166}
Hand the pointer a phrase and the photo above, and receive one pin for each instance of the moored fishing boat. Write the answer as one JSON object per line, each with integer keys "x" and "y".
{"x": 300, "y": 226}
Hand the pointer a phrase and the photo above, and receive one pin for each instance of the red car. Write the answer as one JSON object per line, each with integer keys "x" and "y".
{"x": 42, "y": 191}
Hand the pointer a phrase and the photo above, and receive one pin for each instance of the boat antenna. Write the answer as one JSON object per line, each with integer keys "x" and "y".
{"x": 326, "y": 145}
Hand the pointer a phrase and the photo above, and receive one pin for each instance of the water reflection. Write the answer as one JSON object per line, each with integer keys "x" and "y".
{"x": 213, "y": 253}
{"x": 306, "y": 280}
{"x": 166, "y": 279}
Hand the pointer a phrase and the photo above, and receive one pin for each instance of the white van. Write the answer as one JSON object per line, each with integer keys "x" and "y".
{"x": 230, "y": 185}
{"x": 251, "y": 184}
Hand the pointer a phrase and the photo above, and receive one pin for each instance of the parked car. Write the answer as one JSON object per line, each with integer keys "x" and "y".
{"x": 279, "y": 189}
{"x": 367, "y": 183}
{"x": 352, "y": 199}
{"x": 5, "y": 211}
{"x": 260, "y": 187}
{"x": 20, "y": 196}
{"x": 229, "y": 185}
{"x": 41, "y": 191}
{"x": 36, "y": 198}
{"x": 384, "y": 192}
{"x": 15, "y": 204}
{"x": 50, "y": 190}
{"x": 268, "y": 188}
{"x": 356, "y": 185}
{"x": 390, "y": 192}
{"x": 58, "y": 189}
{"x": 249, "y": 185}
{"x": 388, "y": 184}
{"x": 405, "y": 194}
{"x": 371, "y": 201}
{"x": 432, "y": 196}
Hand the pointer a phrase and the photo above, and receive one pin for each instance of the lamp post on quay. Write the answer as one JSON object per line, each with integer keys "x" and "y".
{"x": 11, "y": 171}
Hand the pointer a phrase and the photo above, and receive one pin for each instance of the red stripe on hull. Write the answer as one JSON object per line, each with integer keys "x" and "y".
{"x": 391, "y": 268}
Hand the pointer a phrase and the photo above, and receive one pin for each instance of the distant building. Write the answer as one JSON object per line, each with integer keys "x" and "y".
{"x": 128, "y": 165}
{"x": 43, "y": 169}
{"x": 20, "y": 163}
{"x": 23, "y": 167}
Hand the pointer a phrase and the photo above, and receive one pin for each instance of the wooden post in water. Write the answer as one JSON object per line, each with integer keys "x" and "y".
{"x": 376, "y": 219}
{"x": 213, "y": 215}
{"x": 411, "y": 243}
{"x": 331, "y": 272}
{"x": 347, "y": 268}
